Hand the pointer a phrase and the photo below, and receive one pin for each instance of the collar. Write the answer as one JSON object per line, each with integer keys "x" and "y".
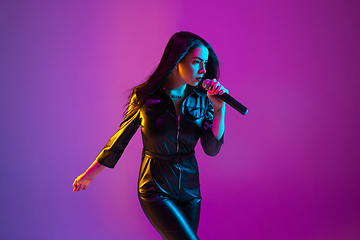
{"x": 194, "y": 89}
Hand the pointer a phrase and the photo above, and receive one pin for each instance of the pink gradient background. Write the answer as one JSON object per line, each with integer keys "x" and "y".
{"x": 289, "y": 170}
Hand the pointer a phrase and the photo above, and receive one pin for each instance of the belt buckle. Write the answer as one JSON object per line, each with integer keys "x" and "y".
{"x": 176, "y": 159}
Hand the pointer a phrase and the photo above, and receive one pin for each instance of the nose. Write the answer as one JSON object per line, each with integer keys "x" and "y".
{"x": 202, "y": 69}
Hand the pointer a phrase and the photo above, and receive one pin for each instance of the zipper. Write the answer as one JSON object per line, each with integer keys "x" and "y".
{"x": 177, "y": 135}
{"x": 178, "y": 122}
{"x": 177, "y": 148}
{"x": 179, "y": 176}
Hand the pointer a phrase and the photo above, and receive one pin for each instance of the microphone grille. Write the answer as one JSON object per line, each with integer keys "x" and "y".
{"x": 206, "y": 84}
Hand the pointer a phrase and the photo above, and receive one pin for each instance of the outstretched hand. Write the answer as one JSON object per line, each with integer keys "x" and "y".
{"x": 81, "y": 182}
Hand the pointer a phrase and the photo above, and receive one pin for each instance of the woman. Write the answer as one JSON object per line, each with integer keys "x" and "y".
{"x": 173, "y": 111}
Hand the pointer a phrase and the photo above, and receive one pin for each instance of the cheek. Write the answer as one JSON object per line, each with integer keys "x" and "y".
{"x": 181, "y": 71}
{"x": 187, "y": 71}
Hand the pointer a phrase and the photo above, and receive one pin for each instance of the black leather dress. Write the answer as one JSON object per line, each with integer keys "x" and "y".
{"x": 169, "y": 169}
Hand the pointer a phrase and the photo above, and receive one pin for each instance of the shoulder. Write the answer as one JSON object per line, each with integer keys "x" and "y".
{"x": 158, "y": 99}
{"x": 197, "y": 98}
{"x": 201, "y": 94}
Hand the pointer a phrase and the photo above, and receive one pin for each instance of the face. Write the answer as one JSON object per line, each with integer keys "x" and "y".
{"x": 192, "y": 66}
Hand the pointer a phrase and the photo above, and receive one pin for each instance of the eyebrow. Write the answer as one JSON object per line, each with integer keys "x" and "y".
{"x": 201, "y": 59}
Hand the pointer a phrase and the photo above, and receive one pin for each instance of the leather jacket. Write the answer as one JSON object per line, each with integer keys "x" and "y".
{"x": 164, "y": 134}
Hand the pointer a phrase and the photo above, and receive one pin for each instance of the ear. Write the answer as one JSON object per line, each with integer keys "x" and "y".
{"x": 175, "y": 71}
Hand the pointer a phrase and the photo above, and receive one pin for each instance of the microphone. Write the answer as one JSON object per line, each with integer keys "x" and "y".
{"x": 227, "y": 98}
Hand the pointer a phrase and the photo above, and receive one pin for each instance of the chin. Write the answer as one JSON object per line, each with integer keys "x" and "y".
{"x": 195, "y": 83}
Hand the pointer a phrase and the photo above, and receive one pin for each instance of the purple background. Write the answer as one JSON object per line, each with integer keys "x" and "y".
{"x": 288, "y": 170}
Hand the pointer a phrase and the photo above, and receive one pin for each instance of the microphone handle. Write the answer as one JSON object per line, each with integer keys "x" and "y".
{"x": 233, "y": 103}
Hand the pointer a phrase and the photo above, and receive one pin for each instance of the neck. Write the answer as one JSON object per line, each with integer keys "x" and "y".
{"x": 174, "y": 81}
{"x": 176, "y": 91}
{"x": 174, "y": 85}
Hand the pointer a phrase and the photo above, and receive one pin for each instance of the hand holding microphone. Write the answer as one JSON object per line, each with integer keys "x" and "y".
{"x": 226, "y": 97}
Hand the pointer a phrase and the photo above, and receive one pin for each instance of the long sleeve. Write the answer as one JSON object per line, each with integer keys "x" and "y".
{"x": 210, "y": 144}
{"x": 114, "y": 148}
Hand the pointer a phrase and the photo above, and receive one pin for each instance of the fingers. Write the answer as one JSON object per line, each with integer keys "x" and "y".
{"x": 78, "y": 186}
{"x": 224, "y": 90}
{"x": 216, "y": 88}
{"x": 75, "y": 186}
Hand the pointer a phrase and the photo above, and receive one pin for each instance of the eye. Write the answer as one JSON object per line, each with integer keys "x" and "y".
{"x": 196, "y": 62}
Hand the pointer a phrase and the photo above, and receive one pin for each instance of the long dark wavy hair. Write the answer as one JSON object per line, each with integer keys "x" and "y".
{"x": 180, "y": 44}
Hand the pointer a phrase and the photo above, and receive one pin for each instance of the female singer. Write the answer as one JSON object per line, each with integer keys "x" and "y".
{"x": 174, "y": 112}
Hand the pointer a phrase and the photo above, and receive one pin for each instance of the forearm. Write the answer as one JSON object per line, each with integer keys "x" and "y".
{"x": 218, "y": 125}
{"x": 94, "y": 169}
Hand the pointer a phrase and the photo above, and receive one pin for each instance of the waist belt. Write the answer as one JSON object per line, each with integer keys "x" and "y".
{"x": 177, "y": 158}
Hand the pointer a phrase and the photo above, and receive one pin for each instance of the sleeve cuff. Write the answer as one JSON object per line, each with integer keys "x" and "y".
{"x": 210, "y": 143}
